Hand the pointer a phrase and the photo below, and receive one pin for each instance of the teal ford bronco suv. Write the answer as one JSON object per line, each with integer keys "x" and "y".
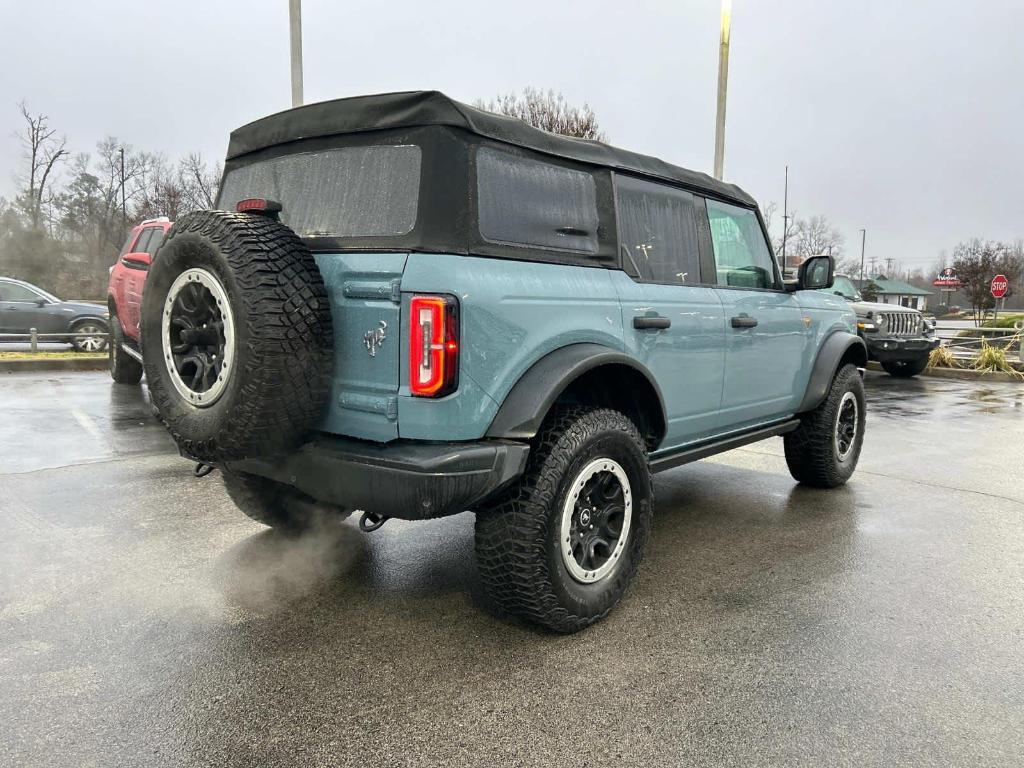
{"x": 410, "y": 307}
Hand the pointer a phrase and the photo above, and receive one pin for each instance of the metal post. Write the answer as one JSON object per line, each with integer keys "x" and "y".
{"x": 785, "y": 219}
{"x": 723, "y": 81}
{"x": 33, "y": 336}
{"x": 124, "y": 206}
{"x": 295, "y": 23}
{"x": 863, "y": 238}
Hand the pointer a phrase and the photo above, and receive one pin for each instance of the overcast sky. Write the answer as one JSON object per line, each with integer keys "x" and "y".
{"x": 906, "y": 118}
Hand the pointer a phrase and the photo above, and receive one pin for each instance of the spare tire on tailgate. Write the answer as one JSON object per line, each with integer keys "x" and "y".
{"x": 236, "y": 336}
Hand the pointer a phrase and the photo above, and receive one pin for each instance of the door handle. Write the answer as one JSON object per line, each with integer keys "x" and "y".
{"x": 655, "y": 321}
{"x": 743, "y": 321}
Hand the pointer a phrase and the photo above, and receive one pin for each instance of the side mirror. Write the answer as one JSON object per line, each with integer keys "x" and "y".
{"x": 41, "y": 302}
{"x": 813, "y": 274}
{"x": 138, "y": 260}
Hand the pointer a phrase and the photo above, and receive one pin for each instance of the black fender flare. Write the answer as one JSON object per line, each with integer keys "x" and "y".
{"x": 528, "y": 402}
{"x": 835, "y": 348}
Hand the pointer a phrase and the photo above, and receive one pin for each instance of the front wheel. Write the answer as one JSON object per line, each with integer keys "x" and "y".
{"x": 87, "y": 342}
{"x": 823, "y": 451}
{"x": 904, "y": 369}
{"x": 124, "y": 369}
{"x": 562, "y": 546}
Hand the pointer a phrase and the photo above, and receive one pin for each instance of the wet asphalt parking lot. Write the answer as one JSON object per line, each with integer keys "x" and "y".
{"x": 145, "y": 621}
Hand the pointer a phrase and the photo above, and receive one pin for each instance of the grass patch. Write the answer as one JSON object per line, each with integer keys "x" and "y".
{"x": 1004, "y": 321}
{"x": 992, "y": 359}
{"x": 942, "y": 357}
{"x": 53, "y": 355}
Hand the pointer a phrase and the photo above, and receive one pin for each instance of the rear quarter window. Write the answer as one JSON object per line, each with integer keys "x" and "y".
{"x": 347, "y": 192}
{"x": 531, "y": 203}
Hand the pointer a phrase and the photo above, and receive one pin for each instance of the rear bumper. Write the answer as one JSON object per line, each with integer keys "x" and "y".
{"x": 891, "y": 349}
{"x": 405, "y": 479}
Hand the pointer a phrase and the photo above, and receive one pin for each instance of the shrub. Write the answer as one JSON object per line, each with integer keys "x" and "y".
{"x": 942, "y": 357}
{"x": 991, "y": 358}
{"x": 1004, "y": 321}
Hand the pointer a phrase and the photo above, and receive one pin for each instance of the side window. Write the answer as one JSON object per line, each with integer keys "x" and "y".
{"x": 126, "y": 248}
{"x": 531, "y": 203}
{"x": 742, "y": 258}
{"x": 142, "y": 246}
{"x": 155, "y": 240}
{"x": 15, "y": 292}
{"x": 657, "y": 232}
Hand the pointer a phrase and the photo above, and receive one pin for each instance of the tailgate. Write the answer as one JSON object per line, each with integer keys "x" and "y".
{"x": 366, "y": 314}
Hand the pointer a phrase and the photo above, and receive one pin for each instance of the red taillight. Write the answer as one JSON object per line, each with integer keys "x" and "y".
{"x": 433, "y": 345}
{"x": 258, "y": 205}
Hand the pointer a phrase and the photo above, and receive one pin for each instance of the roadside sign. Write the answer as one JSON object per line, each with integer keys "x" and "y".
{"x": 1000, "y": 285}
{"x": 947, "y": 279}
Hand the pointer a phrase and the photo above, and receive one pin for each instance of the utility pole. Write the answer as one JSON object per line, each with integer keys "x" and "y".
{"x": 785, "y": 219}
{"x": 295, "y": 23}
{"x": 723, "y": 81}
{"x": 124, "y": 206}
{"x": 863, "y": 238}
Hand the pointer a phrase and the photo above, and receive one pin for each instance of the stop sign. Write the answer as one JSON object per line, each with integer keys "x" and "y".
{"x": 1000, "y": 285}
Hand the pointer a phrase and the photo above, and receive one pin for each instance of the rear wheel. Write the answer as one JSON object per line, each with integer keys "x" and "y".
{"x": 276, "y": 504}
{"x": 562, "y": 546}
{"x": 823, "y": 451}
{"x": 904, "y": 369}
{"x": 124, "y": 369}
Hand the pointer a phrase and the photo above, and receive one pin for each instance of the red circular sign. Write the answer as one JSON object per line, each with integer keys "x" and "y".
{"x": 1000, "y": 285}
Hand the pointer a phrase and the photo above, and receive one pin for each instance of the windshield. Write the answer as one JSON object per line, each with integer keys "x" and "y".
{"x": 348, "y": 192}
{"x": 844, "y": 287}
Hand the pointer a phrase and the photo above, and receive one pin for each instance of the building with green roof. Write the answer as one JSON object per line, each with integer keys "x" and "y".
{"x": 899, "y": 292}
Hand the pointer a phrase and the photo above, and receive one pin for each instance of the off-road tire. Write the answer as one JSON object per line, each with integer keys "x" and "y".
{"x": 124, "y": 369}
{"x": 518, "y": 539}
{"x": 280, "y": 375}
{"x": 276, "y": 504}
{"x": 811, "y": 452}
{"x": 905, "y": 369}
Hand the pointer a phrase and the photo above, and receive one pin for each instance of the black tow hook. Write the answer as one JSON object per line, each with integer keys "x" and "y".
{"x": 370, "y": 522}
{"x": 202, "y": 470}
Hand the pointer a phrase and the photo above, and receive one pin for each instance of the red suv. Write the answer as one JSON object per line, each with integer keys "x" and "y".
{"x": 124, "y": 297}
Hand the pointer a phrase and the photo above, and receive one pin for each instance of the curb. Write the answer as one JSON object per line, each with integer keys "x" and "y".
{"x": 59, "y": 364}
{"x": 964, "y": 374}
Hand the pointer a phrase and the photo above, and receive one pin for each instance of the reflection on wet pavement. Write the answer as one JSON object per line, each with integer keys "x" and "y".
{"x": 145, "y": 621}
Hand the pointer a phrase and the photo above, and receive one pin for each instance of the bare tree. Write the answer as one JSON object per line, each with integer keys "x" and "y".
{"x": 199, "y": 181}
{"x": 548, "y": 111}
{"x": 43, "y": 151}
{"x": 978, "y": 261}
{"x": 174, "y": 190}
{"x": 813, "y": 236}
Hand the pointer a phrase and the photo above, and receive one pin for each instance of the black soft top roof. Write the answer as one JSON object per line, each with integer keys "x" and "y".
{"x": 411, "y": 109}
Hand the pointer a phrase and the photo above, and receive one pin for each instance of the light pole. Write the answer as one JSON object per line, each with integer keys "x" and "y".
{"x": 785, "y": 219}
{"x": 863, "y": 237}
{"x": 723, "y": 82}
{"x": 295, "y": 24}
{"x": 124, "y": 206}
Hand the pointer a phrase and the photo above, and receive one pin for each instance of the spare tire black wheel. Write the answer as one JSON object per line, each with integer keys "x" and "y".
{"x": 236, "y": 336}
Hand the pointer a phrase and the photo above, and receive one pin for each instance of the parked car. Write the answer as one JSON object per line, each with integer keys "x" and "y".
{"x": 24, "y": 306}
{"x": 411, "y": 307}
{"x": 899, "y": 338}
{"x": 124, "y": 297}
